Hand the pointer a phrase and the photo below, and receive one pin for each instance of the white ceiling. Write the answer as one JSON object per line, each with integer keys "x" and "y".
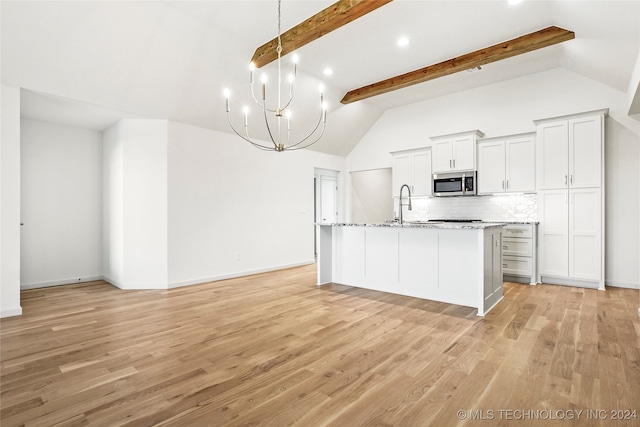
{"x": 90, "y": 63}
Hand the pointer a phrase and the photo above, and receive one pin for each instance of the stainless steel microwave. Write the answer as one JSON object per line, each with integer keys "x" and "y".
{"x": 455, "y": 184}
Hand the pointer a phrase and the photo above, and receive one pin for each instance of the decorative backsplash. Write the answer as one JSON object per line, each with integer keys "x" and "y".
{"x": 512, "y": 207}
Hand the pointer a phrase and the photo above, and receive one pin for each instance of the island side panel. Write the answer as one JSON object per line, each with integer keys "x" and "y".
{"x": 418, "y": 261}
{"x": 460, "y": 266}
{"x": 349, "y": 256}
{"x": 381, "y": 258}
{"x": 325, "y": 254}
{"x": 492, "y": 264}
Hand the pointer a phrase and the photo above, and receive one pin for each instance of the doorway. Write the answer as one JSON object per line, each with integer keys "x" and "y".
{"x": 326, "y": 200}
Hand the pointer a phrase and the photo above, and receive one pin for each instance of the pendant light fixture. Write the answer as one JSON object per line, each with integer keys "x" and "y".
{"x": 276, "y": 130}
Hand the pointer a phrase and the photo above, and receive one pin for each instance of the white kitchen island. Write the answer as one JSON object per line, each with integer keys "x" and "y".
{"x": 456, "y": 263}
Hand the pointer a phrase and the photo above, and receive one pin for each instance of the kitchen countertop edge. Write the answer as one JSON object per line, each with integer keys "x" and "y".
{"x": 441, "y": 225}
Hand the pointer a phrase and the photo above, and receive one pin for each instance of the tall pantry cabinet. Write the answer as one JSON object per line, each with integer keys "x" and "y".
{"x": 570, "y": 183}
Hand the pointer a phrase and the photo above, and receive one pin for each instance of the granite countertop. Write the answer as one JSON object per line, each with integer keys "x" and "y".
{"x": 436, "y": 225}
{"x": 514, "y": 222}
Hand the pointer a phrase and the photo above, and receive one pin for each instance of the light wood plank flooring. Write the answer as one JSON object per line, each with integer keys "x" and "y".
{"x": 273, "y": 349}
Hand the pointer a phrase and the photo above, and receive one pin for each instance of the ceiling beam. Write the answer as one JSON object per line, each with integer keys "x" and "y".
{"x": 318, "y": 25}
{"x": 523, "y": 44}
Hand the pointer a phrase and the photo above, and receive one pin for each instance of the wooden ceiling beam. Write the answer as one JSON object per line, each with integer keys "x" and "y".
{"x": 318, "y": 25}
{"x": 527, "y": 43}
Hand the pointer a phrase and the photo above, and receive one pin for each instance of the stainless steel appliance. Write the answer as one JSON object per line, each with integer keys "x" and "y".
{"x": 455, "y": 184}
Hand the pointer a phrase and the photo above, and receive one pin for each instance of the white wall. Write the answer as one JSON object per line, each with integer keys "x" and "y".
{"x": 61, "y": 204}
{"x": 510, "y": 107}
{"x": 371, "y": 199}
{"x": 235, "y": 210}
{"x": 135, "y": 204}
{"x": 622, "y": 215}
{"x": 9, "y": 202}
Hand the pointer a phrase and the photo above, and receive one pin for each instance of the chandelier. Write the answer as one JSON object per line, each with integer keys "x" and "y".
{"x": 278, "y": 141}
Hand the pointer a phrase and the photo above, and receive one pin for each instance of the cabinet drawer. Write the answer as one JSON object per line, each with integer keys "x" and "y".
{"x": 519, "y": 247}
{"x": 518, "y": 231}
{"x": 516, "y": 266}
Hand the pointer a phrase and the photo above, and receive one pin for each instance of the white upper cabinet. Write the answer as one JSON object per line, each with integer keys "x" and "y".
{"x": 570, "y": 152}
{"x": 521, "y": 164}
{"x": 457, "y": 152}
{"x": 553, "y": 155}
{"x": 412, "y": 167}
{"x": 491, "y": 167}
{"x": 506, "y": 164}
{"x": 585, "y": 152}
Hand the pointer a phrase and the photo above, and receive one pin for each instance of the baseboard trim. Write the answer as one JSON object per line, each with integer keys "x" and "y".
{"x": 622, "y": 285}
{"x": 10, "y": 312}
{"x": 238, "y": 274}
{"x": 198, "y": 281}
{"x": 569, "y": 282}
{"x": 27, "y": 286}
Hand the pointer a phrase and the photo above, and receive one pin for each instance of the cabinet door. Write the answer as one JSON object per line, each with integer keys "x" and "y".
{"x": 400, "y": 172}
{"x": 553, "y": 155}
{"x": 520, "y": 165}
{"x": 585, "y": 152}
{"x": 442, "y": 156}
{"x": 491, "y": 167}
{"x": 422, "y": 173}
{"x": 585, "y": 233}
{"x": 464, "y": 153}
{"x": 554, "y": 232}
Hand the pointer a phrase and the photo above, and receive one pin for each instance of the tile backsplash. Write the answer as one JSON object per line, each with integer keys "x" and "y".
{"x": 512, "y": 207}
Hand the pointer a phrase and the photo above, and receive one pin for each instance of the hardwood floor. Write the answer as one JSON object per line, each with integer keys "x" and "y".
{"x": 274, "y": 349}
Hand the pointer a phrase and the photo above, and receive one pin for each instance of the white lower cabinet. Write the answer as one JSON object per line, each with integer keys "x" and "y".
{"x": 571, "y": 236}
{"x": 416, "y": 261}
{"x": 519, "y": 253}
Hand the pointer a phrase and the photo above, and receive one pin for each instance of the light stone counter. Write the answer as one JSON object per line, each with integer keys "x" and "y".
{"x": 429, "y": 224}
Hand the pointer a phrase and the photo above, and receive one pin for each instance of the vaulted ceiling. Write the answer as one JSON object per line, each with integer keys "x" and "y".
{"x": 90, "y": 63}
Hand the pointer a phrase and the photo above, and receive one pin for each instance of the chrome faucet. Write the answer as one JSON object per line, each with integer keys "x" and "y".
{"x": 401, "y": 204}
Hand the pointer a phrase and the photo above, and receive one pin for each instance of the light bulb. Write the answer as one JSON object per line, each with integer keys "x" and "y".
{"x": 226, "y": 92}
{"x": 290, "y": 78}
{"x": 263, "y": 78}
{"x": 295, "y": 58}
{"x": 403, "y": 41}
{"x": 245, "y": 110}
{"x": 252, "y": 66}
{"x": 321, "y": 88}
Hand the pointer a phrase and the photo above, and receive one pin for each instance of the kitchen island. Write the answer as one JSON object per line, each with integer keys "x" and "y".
{"x": 456, "y": 263}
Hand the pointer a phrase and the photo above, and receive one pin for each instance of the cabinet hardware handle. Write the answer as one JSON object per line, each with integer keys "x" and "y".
{"x": 505, "y": 247}
{"x": 571, "y": 179}
{"x": 565, "y": 180}
{"x": 450, "y": 164}
{"x": 503, "y": 184}
{"x": 454, "y": 163}
{"x": 504, "y": 265}
{"x": 507, "y": 184}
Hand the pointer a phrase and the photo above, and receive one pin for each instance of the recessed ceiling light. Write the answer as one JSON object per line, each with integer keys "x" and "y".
{"x": 327, "y": 71}
{"x": 403, "y": 41}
